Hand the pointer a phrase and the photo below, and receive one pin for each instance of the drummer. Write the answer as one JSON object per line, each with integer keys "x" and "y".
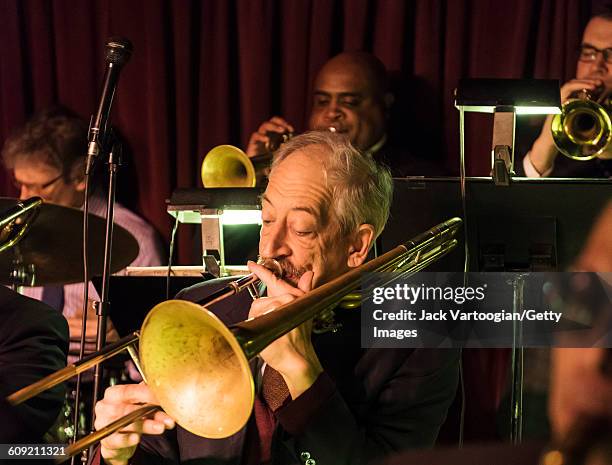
{"x": 46, "y": 158}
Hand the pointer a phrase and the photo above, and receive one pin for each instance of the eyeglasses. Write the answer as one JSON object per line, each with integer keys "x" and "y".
{"x": 36, "y": 187}
{"x": 588, "y": 53}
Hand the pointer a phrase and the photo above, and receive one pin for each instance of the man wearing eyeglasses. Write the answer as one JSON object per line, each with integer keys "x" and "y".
{"x": 46, "y": 158}
{"x": 593, "y": 75}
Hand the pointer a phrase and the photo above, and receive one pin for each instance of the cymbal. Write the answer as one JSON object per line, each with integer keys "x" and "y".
{"x": 53, "y": 247}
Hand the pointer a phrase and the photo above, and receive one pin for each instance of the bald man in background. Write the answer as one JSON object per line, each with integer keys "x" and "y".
{"x": 351, "y": 95}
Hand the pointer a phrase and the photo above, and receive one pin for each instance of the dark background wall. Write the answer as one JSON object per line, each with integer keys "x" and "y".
{"x": 208, "y": 72}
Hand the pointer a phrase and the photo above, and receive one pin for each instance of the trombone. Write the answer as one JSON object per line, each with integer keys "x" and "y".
{"x": 200, "y": 373}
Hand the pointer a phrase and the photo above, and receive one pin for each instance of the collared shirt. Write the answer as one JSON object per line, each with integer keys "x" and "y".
{"x": 376, "y": 147}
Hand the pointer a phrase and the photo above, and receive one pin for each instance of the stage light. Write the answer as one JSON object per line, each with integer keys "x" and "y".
{"x": 505, "y": 98}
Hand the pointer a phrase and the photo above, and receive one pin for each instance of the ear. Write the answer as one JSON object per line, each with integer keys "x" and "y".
{"x": 360, "y": 244}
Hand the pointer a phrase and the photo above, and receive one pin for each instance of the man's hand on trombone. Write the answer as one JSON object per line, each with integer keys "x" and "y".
{"x": 118, "y": 401}
{"x": 292, "y": 355}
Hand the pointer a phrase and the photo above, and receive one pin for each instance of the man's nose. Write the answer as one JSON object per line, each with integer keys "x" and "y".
{"x": 333, "y": 111}
{"x": 25, "y": 193}
{"x": 598, "y": 65}
{"x": 273, "y": 243}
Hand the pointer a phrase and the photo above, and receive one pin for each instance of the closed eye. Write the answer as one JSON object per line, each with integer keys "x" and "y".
{"x": 351, "y": 102}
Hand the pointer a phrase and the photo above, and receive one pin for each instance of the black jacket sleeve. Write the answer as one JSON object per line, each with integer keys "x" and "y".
{"x": 33, "y": 344}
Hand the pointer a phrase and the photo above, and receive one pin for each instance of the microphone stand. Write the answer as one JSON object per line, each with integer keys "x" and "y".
{"x": 77, "y": 391}
{"x": 101, "y": 141}
{"x": 102, "y": 307}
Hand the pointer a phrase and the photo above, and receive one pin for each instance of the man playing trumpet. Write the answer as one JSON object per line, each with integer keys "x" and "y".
{"x": 593, "y": 77}
{"x": 351, "y": 95}
{"x": 320, "y": 397}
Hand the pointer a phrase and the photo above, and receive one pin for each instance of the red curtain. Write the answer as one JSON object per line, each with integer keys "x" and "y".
{"x": 208, "y": 72}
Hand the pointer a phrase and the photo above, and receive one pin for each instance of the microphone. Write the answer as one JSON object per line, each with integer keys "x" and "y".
{"x": 118, "y": 52}
{"x": 21, "y": 208}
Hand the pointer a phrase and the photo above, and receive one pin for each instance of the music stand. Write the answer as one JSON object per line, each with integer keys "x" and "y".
{"x": 534, "y": 225}
{"x": 134, "y": 296}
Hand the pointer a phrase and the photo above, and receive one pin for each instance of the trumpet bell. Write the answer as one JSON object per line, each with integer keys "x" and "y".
{"x": 583, "y": 130}
{"x": 227, "y": 166}
{"x": 196, "y": 369}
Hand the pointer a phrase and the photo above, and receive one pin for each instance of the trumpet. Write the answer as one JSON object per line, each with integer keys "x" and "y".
{"x": 583, "y": 130}
{"x": 228, "y": 166}
{"x": 200, "y": 373}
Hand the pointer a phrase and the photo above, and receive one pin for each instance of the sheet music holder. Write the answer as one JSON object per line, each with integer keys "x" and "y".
{"x": 132, "y": 297}
{"x": 535, "y": 224}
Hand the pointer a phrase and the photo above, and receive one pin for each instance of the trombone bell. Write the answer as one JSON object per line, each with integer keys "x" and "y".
{"x": 196, "y": 369}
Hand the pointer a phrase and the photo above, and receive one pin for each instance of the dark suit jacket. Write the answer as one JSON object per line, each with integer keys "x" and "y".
{"x": 369, "y": 402}
{"x": 402, "y": 163}
{"x": 528, "y": 453}
{"x": 33, "y": 344}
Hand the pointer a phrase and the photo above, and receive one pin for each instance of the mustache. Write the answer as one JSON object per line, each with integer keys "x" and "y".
{"x": 288, "y": 269}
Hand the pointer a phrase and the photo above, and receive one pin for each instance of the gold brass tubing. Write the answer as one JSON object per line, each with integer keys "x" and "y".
{"x": 109, "y": 429}
{"x": 71, "y": 370}
{"x": 136, "y": 359}
{"x": 272, "y": 325}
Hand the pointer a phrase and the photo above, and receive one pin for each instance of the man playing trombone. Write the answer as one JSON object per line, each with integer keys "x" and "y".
{"x": 321, "y": 398}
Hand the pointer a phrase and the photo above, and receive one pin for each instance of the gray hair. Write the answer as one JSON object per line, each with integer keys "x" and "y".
{"x": 361, "y": 188}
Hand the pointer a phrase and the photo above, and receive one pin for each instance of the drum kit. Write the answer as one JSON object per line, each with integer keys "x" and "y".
{"x": 49, "y": 250}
